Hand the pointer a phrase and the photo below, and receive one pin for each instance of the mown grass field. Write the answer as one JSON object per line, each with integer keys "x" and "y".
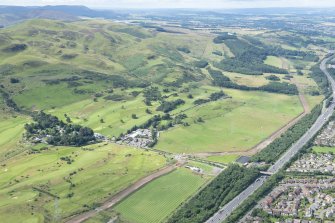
{"x": 320, "y": 149}
{"x": 235, "y": 124}
{"x": 95, "y": 174}
{"x": 11, "y": 130}
{"x": 224, "y": 158}
{"x": 158, "y": 199}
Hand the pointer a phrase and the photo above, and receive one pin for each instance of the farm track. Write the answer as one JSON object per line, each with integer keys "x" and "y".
{"x": 112, "y": 201}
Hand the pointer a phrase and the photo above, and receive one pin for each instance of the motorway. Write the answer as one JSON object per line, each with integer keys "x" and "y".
{"x": 226, "y": 210}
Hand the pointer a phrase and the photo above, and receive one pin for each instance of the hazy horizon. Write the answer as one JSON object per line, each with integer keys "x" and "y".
{"x": 177, "y": 4}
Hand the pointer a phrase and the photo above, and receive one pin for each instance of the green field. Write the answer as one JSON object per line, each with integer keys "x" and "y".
{"x": 224, "y": 158}
{"x": 95, "y": 174}
{"x": 158, "y": 199}
{"x": 96, "y": 72}
{"x": 248, "y": 80}
{"x": 235, "y": 124}
{"x": 274, "y": 61}
{"x": 320, "y": 149}
{"x": 11, "y": 130}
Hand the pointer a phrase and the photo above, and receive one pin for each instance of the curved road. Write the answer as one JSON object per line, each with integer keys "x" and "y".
{"x": 226, "y": 210}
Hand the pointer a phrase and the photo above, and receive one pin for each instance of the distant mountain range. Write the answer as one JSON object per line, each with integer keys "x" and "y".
{"x": 13, "y": 14}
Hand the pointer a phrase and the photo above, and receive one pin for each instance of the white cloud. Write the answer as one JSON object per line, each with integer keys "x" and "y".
{"x": 177, "y": 3}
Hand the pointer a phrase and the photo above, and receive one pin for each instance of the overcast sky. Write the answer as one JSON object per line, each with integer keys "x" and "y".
{"x": 213, "y": 4}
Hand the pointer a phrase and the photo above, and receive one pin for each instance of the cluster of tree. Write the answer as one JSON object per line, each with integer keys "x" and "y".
{"x": 7, "y": 69}
{"x": 201, "y": 101}
{"x": 114, "y": 97}
{"x": 18, "y": 47}
{"x": 56, "y": 132}
{"x": 151, "y": 94}
{"x": 184, "y": 49}
{"x": 278, "y": 87}
{"x": 222, "y": 37}
{"x": 274, "y": 150}
{"x": 218, "y": 53}
{"x": 217, "y": 193}
{"x": 279, "y": 51}
{"x": 273, "y": 78}
{"x": 186, "y": 77}
{"x": 9, "y": 101}
{"x": 177, "y": 120}
{"x": 217, "y": 95}
{"x": 14, "y": 80}
{"x": 329, "y": 101}
{"x": 69, "y": 56}
{"x": 67, "y": 159}
{"x": 201, "y": 63}
{"x": 213, "y": 97}
{"x": 219, "y": 79}
{"x": 249, "y": 59}
{"x": 321, "y": 79}
{"x": 167, "y": 106}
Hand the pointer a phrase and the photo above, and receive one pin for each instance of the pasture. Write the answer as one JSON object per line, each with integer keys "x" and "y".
{"x": 226, "y": 159}
{"x": 235, "y": 124}
{"x": 157, "y": 200}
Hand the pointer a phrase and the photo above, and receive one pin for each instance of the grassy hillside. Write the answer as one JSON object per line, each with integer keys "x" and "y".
{"x": 96, "y": 71}
{"x": 114, "y": 77}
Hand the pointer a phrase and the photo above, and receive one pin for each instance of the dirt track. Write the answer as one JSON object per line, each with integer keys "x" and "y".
{"x": 122, "y": 194}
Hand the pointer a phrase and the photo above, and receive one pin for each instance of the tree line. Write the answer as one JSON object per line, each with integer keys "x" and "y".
{"x": 248, "y": 59}
{"x": 213, "y": 97}
{"x": 219, "y": 79}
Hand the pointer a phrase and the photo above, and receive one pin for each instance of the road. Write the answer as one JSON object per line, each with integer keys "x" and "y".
{"x": 226, "y": 210}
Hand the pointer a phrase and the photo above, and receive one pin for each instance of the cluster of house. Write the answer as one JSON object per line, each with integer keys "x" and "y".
{"x": 289, "y": 220}
{"x": 294, "y": 200}
{"x": 100, "y": 137}
{"x": 327, "y": 136}
{"x": 323, "y": 163}
{"x": 140, "y": 138}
